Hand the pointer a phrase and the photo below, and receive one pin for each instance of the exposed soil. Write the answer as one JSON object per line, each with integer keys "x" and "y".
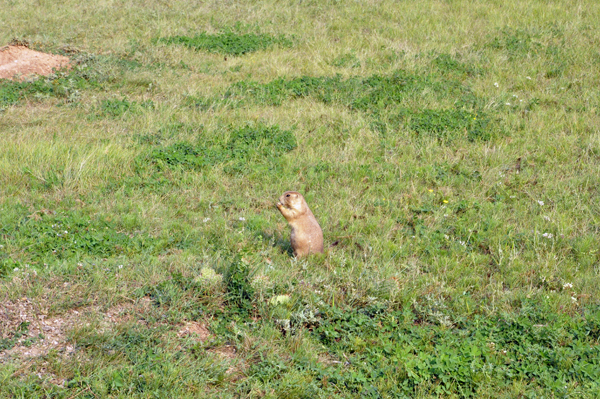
{"x": 196, "y": 329}
{"x": 199, "y": 332}
{"x": 20, "y": 63}
{"x": 27, "y": 332}
{"x": 43, "y": 333}
{"x": 40, "y": 334}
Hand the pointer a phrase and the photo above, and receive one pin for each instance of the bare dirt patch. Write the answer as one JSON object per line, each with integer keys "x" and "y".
{"x": 20, "y": 63}
{"x": 193, "y": 328}
{"x": 128, "y": 311}
{"x": 225, "y": 351}
{"x": 198, "y": 331}
{"x": 26, "y": 331}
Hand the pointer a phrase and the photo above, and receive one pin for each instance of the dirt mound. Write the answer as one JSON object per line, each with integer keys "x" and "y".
{"x": 19, "y": 62}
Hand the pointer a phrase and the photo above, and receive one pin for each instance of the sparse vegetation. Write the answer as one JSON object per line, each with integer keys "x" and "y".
{"x": 449, "y": 150}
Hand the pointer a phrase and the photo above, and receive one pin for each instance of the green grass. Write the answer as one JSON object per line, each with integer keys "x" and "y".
{"x": 62, "y": 85}
{"x": 449, "y": 150}
{"x": 228, "y": 42}
{"x": 246, "y": 148}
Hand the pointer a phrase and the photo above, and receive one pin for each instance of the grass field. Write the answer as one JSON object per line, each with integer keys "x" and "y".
{"x": 449, "y": 149}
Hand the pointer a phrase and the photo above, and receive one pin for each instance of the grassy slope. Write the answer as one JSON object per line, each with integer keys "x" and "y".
{"x": 441, "y": 262}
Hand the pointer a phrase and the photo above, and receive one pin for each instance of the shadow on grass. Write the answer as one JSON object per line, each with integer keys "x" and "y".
{"x": 279, "y": 241}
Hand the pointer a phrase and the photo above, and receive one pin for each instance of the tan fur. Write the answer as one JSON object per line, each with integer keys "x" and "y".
{"x": 307, "y": 236}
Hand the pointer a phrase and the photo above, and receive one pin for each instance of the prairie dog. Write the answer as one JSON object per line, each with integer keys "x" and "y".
{"x": 307, "y": 236}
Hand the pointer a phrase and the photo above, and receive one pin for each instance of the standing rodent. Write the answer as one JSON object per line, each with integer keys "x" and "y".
{"x": 307, "y": 236}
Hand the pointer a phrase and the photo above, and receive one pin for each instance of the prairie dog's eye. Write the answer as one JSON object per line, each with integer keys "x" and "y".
{"x": 287, "y": 195}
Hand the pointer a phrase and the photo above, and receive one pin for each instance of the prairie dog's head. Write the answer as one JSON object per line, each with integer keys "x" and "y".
{"x": 292, "y": 199}
{"x": 292, "y": 203}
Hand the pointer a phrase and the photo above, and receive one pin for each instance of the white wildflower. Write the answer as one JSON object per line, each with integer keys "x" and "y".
{"x": 496, "y": 84}
{"x": 567, "y": 285}
{"x": 541, "y": 203}
{"x": 548, "y": 235}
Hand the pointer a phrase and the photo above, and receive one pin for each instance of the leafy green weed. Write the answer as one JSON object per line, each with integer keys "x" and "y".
{"x": 247, "y": 146}
{"x": 228, "y": 42}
